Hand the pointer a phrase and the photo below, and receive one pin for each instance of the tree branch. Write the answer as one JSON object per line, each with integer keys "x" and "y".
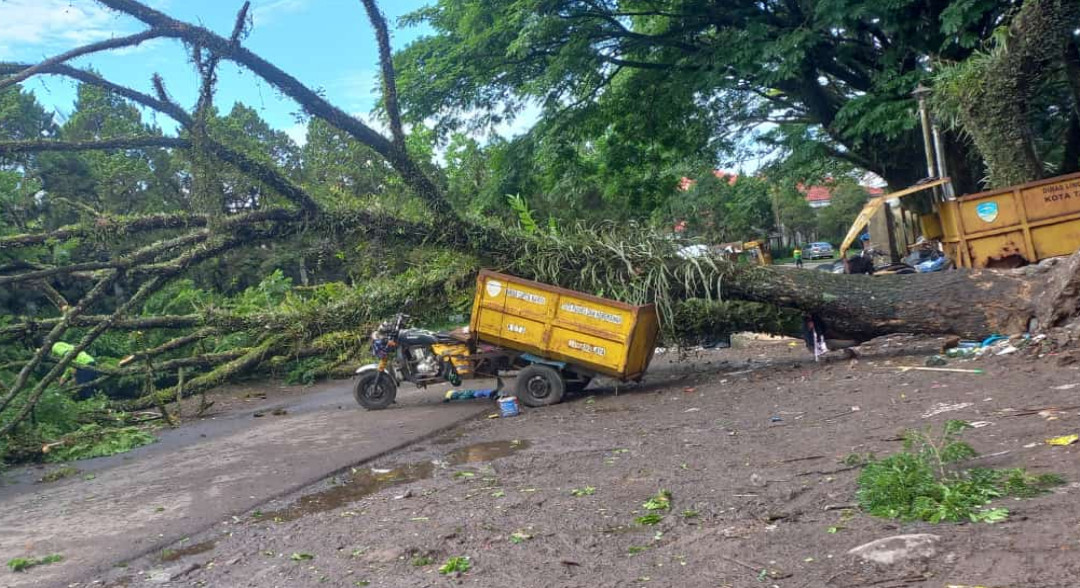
{"x": 143, "y": 255}
{"x": 116, "y": 43}
{"x": 119, "y": 227}
{"x": 389, "y": 78}
{"x": 260, "y": 171}
{"x": 312, "y": 102}
{"x": 12, "y": 147}
{"x": 172, "y": 110}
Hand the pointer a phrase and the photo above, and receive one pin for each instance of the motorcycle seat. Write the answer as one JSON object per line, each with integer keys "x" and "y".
{"x": 453, "y": 337}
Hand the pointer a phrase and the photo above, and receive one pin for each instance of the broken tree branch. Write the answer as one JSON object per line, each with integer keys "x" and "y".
{"x": 12, "y": 147}
{"x": 311, "y": 101}
{"x": 117, "y": 43}
{"x": 115, "y": 226}
{"x": 389, "y": 79}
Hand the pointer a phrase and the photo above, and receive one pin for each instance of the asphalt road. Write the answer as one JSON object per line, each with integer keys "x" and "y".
{"x": 123, "y": 506}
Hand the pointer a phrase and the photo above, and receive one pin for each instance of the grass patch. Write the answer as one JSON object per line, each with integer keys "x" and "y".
{"x": 925, "y": 482}
{"x": 58, "y": 474}
{"x": 586, "y": 491}
{"x": 21, "y": 564}
{"x": 422, "y": 561}
{"x": 459, "y": 564}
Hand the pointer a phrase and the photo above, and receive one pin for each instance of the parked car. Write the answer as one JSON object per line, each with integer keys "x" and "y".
{"x": 819, "y": 251}
{"x": 692, "y": 251}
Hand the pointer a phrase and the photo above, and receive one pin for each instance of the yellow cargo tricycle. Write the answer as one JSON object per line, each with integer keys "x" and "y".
{"x": 553, "y": 339}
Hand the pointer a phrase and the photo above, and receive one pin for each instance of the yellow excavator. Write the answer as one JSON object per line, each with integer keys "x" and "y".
{"x": 758, "y": 252}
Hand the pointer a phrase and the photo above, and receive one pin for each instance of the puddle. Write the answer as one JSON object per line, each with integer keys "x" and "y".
{"x": 369, "y": 481}
{"x": 175, "y": 554}
{"x": 486, "y": 451}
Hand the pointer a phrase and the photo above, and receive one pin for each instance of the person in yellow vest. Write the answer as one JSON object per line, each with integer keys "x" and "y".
{"x": 798, "y": 256}
{"x": 83, "y": 368}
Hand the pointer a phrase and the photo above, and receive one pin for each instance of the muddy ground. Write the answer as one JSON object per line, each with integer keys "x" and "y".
{"x": 751, "y": 445}
{"x": 256, "y": 443}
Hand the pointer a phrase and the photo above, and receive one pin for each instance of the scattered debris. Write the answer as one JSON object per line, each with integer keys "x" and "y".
{"x": 508, "y": 407}
{"x": 898, "y": 548}
{"x": 938, "y": 369}
{"x": 1063, "y": 440}
{"x": 941, "y": 408}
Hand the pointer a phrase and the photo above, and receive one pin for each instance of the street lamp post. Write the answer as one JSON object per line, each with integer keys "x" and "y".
{"x": 920, "y": 94}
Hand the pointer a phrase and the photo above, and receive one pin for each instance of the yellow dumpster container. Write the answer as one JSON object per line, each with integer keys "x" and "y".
{"x": 592, "y": 335}
{"x": 1012, "y": 226}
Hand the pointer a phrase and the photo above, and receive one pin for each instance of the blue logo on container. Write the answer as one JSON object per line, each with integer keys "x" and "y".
{"x": 987, "y": 211}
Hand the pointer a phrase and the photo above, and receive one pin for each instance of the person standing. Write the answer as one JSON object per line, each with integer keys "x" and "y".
{"x": 798, "y": 256}
{"x": 84, "y": 371}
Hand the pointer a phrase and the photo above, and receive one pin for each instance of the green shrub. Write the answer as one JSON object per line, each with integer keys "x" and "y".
{"x": 922, "y": 484}
{"x": 96, "y": 441}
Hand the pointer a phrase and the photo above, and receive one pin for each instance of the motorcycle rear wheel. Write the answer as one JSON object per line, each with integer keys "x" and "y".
{"x": 375, "y": 390}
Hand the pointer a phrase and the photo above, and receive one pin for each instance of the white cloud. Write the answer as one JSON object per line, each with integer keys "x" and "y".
{"x": 265, "y": 12}
{"x": 42, "y": 26}
{"x": 298, "y": 133}
{"x": 359, "y": 89}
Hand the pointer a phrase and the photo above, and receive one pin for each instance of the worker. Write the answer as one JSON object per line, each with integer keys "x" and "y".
{"x": 83, "y": 371}
{"x": 798, "y": 256}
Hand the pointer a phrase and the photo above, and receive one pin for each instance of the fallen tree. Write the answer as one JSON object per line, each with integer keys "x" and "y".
{"x": 697, "y": 296}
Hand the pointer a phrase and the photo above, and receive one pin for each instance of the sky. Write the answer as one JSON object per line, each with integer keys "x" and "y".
{"x": 326, "y": 44}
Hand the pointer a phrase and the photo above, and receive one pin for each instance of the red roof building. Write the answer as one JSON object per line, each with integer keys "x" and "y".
{"x": 816, "y": 196}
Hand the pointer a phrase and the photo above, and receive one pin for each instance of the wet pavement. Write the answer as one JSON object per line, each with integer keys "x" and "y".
{"x": 369, "y": 481}
{"x": 120, "y": 507}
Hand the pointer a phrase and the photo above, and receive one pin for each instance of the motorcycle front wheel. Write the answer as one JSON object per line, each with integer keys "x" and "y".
{"x": 375, "y": 390}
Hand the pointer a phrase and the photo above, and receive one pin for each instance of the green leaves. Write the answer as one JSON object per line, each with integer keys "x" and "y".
{"x": 93, "y": 440}
{"x": 456, "y": 565}
{"x": 917, "y": 485}
{"x": 525, "y": 216}
{"x": 21, "y": 564}
{"x": 649, "y": 519}
{"x": 660, "y": 501}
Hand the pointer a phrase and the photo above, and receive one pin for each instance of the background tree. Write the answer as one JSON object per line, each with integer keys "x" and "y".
{"x": 1019, "y": 99}
{"x": 845, "y": 68}
{"x": 833, "y": 221}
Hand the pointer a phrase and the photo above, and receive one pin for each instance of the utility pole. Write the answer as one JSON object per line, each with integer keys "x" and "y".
{"x": 920, "y": 94}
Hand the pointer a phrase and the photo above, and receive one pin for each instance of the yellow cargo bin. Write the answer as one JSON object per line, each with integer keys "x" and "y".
{"x": 1015, "y": 225}
{"x": 588, "y": 332}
